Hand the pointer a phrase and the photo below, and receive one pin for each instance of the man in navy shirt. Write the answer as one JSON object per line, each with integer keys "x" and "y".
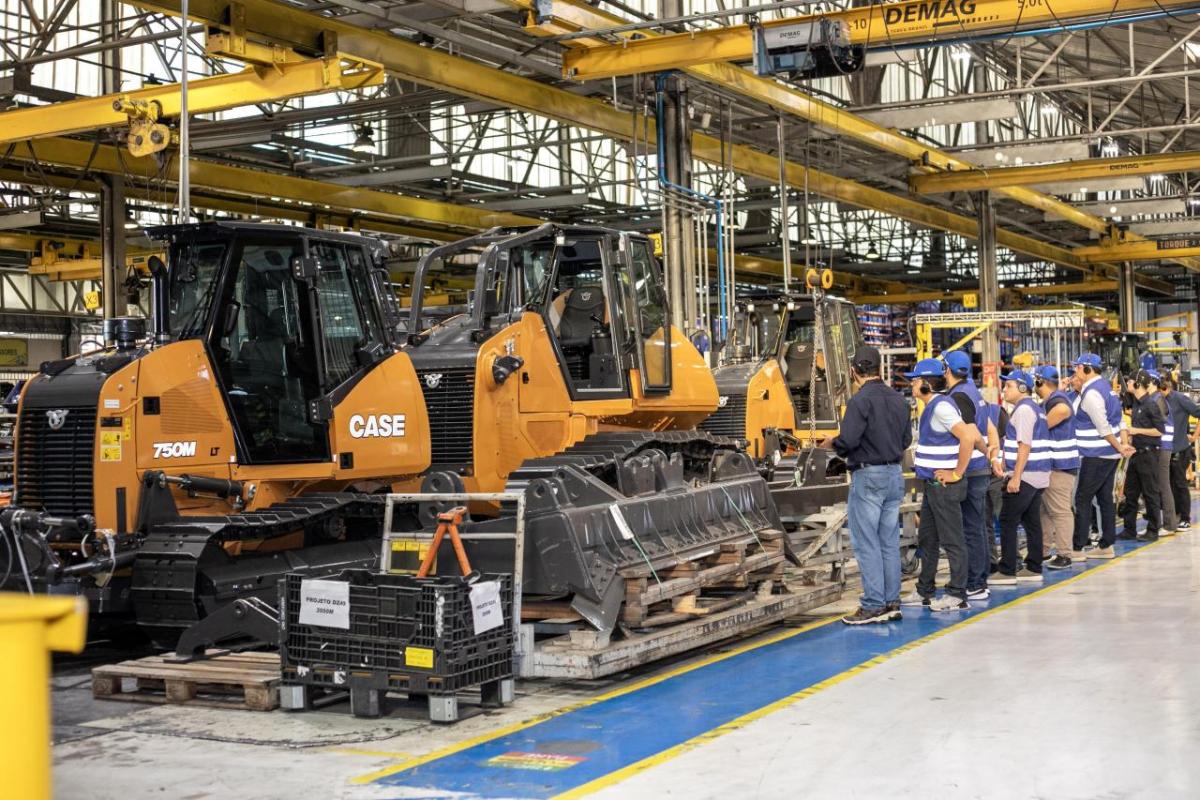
{"x": 875, "y": 431}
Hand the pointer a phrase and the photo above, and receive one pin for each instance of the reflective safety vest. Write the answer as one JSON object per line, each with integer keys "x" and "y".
{"x": 1062, "y": 435}
{"x": 978, "y": 462}
{"x": 1041, "y": 452}
{"x": 1091, "y": 444}
{"x": 935, "y": 449}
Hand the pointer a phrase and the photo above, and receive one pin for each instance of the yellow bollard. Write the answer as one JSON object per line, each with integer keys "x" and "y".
{"x": 31, "y": 627}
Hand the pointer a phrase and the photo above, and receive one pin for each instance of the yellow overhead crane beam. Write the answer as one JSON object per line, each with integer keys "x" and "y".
{"x": 265, "y": 21}
{"x": 314, "y": 195}
{"x": 575, "y": 15}
{"x": 142, "y": 109}
{"x": 67, "y": 258}
{"x": 973, "y": 180}
{"x": 911, "y": 298}
{"x": 911, "y": 23}
{"x": 1157, "y": 250}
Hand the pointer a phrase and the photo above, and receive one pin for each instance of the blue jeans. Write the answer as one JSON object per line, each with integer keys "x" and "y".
{"x": 975, "y": 533}
{"x": 874, "y": 515}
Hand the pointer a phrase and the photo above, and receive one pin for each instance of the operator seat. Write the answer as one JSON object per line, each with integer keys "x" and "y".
{"x": 575, "y": 327}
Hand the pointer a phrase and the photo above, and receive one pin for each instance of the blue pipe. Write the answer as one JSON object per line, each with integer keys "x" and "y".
{"x": 660, "y": 81}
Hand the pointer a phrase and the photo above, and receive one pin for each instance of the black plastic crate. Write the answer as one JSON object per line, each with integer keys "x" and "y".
{"x": 406, "y": 634}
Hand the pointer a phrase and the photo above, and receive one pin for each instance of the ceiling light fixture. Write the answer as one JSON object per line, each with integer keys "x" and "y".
{"x": 365, "y": 142}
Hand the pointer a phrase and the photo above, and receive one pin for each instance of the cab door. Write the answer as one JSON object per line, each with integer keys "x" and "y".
{"x": 646, "y": 321}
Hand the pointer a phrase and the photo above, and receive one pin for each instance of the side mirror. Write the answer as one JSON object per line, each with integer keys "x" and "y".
{"x": 158, "y": 269}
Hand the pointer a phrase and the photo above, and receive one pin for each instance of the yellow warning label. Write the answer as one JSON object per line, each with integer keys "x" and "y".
{"x": 127, "y": 431}
{"x": 420, "y": 657}
{"x": 110, "y": 452}
{"x": 110, "y": 437}
{"x": 407, "y": 555}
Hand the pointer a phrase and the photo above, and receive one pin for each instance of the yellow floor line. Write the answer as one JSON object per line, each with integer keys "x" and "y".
{"x": 733, "y": 725}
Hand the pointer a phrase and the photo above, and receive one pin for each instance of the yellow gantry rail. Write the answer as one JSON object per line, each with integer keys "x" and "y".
{"x": 875, "y": 26}
{"x": 1159, "y": 250}
{"x": 256, "y": 84}
{"x": 1082, "y": 171}
{"x": 911, "y": 298}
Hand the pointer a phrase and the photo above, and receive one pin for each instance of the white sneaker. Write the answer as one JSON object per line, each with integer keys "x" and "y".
{"x": 1165, "y": 532}
{"x": 1184, "y": 526}
{"x": 978, "y": 595}
{"x": 915, "y": 599}
{"x": 948, "y": 602}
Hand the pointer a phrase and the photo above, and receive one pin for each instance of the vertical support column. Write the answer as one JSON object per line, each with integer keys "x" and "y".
{"x": 989, "y": 291}
{"x": 1126, "y": 296}
{"x": 112, "y": 188}
{"x": 678, "y": 245}
{"x": 785, "y": 227}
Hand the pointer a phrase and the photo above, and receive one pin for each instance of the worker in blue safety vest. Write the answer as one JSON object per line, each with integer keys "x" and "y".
{"x": 974, "y": 410}
{"x": 944, "y": 446}
{"x": 1097, "y": 428}
{"x": 1058, "y": 500}
{"x": 1028, "y": 456}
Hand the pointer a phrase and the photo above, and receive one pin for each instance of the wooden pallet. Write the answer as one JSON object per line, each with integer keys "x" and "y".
{"x": 235, "y": 680}
{"x": 681, "y": 586}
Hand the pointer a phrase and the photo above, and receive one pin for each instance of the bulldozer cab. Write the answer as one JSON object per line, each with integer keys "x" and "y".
{"x": 290, "y": 318}
{"x": 1121, "y": 353}
{"x": 599, "y": 292}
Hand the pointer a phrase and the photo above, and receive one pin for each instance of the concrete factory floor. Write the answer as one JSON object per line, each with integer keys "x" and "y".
{"x": 1083, "y": 688}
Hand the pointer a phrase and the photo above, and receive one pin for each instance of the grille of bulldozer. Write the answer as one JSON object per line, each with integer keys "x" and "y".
{"x": 729, "y": 419}
{"x": 450, "y": 400}
{"x": 54, "y": 466}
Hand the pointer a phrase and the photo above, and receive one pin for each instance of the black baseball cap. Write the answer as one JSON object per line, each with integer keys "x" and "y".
{"x": 866, "y": 358}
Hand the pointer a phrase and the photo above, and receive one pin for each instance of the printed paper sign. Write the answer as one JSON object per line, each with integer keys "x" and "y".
{"x": 325, "y": 603}
{"x": 485, "y": 606}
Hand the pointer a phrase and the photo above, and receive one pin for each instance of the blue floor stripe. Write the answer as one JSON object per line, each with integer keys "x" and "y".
{"x": 591, "y": 742}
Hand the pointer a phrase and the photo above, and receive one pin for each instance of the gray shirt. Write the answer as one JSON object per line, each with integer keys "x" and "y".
{"x": 1023, "y": 419}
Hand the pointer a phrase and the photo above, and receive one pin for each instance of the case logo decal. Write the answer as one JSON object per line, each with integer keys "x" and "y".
{"x": 377, "y": 426}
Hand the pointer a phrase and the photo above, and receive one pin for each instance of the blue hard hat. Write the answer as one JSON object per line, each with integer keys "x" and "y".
{"x": 1020, "y": 376}
{"x": 958, "y": 362}
{"x": 1047, "y": 372}
{"x": 1088, "y": 360}
{"x": 927, "y": 368}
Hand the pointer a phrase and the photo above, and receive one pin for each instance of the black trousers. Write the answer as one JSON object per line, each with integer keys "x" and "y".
{"x": 1141, "y": 482}
{"x": 942, "y": 529}
{"x": 1179, "y": 485}
{"x": 1022, "y": 508}
{"x": 1095, "y": 483}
